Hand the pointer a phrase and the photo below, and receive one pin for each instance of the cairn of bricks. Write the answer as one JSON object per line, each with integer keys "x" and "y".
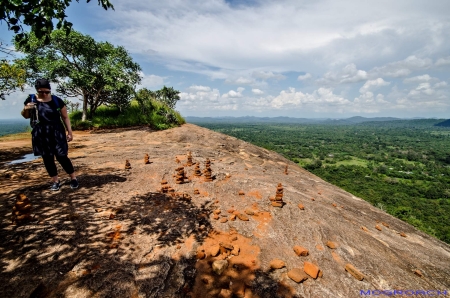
{"x": 22, "y": 209}
{"x": 180, "y": 176}
{"x": 164, "y": 186}
{"x": 146, "y": 159}
{"x": 127, "y": 165}
{"x": 207, "y": 171}
{"x": 278, "y": 201}
{"x": 197, "y": 172}
{"x": 189, "y": 159}
{"x": 286, "y": 170}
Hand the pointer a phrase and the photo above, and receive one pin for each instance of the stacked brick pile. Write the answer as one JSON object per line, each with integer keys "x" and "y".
{"x": 180, "y": 175}
{"x": 22, "y": 209}
{"x": 189, "y": 159}
{"x": 165, "y": 188}
{"x": 127, "y": 165}
{"x": 207, "y": 171}
{"x": 146, "y": 159}
{"x": 286, "y": 170}
{"x": 278, "y": 200}
{"x": 197, "y": 172}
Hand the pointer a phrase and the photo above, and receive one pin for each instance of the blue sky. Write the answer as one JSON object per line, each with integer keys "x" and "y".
{"x": 292, "y": 58}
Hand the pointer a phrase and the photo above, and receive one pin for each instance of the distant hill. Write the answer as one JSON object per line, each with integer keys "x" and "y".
{"x": 445, "y": 123}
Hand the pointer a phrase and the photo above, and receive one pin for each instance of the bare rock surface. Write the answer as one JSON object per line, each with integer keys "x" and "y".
{"x": 119, "y": 235}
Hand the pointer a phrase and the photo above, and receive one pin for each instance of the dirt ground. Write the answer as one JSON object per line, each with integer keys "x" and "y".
{"x": 119, "y": 235}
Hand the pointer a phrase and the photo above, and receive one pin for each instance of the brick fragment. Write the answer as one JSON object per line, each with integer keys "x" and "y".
{"x": 418, "y": 273}
{"x": 297, "y": 275}
{"x": 300, "y": 251}
{"x": 385, "y": 224}
{"x": 301, "y": 206}
{"x": 243, "y": 217}
{"x": 223, "y": 220}
{"x": 353, "y": 271}
{"x": 232, "y": 217}
{"x": 311, "y": 269}
{"x": 241, "y": 193}
{"x": 378, "y": 228}
{"x": 364, "y": 229}
{"x": 402, "y": 234}
{"x": 332, "y": 244}
{"x": 277, "y": 264}
{"x": 249, "y": 212}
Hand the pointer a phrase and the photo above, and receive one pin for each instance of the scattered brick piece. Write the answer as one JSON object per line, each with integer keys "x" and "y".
{"x": 418, "y": 273}
{"x": 235, "y": 250}
{"x": 200, "y": 255}
{"x": 219, "y": 266}
{"x": 231, "y": 210}
{"x": 277, "y": 264}
{"x": 226, "y": 245}
{"x": 214, "y": 251}
{"x": 146, "y": 159}
{"x": 402, "y": 234}
{"x": 353, "y": 271}
{"x": 378, "y": 228}
{"x": 127, "y": 165}
{"x": 227, "y": 175}
{"x": 232, "y": 217}
{"x": 334, "y": 205}
{"x": 312, "y": 199}
{"x": 364, "y": 229}
{"x": 249, "y": 212}
{"x": 241, "y": 193}
{"x": 301, "y": 206}
{"x": 331, "y": 244}
{"x": 311, "y": 269}
{"x": 225, "y": 293}
{"x": 245, "y": 169}
{"x": 297, "y": 275}
{"x": 385, "y": 224}
{"x": 320, "y": 273}
{"x": 217, "y": 211}
{"x": 243, "y": 217}
{"x": 216, "y": 216}
{"x": 223, "y": 220}
{"x": 196, "y": 191}
{"x": 301, "y": 251}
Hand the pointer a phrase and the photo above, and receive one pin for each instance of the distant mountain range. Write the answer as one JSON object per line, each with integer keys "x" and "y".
{"x": 445, "y": 123}
{"x": 251, "y": 119}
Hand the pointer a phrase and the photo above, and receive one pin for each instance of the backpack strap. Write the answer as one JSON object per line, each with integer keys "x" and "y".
{"x": 55, "y": 99}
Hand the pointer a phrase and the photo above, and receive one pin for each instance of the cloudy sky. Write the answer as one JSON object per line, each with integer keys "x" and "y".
{"x": 292, "y": 58}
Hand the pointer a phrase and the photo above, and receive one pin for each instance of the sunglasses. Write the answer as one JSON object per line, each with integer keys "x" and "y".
{"x": 44, "y": 92}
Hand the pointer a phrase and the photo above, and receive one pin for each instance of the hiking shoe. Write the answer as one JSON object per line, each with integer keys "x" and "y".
{"x": 74, "y": 184}
{"x": 55, "y": 186}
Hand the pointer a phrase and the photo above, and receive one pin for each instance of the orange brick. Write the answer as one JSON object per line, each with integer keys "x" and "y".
{"x": 311, "y": 269}
{"x": 297, "y": 275}
{"x": 332, "y": 244}
{"x": 301, "y": 251}
{"x": 301, "y": 206}
{"x": 353, "y": 271}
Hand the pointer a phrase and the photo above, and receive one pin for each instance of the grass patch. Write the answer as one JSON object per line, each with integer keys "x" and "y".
{"x": 16, "y": 137}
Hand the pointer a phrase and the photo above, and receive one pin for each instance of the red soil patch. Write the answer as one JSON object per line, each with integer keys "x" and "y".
{"x": 254, "y": 193}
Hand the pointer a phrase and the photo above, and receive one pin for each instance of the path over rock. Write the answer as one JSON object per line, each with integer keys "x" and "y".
{"x": 120, "y": 236}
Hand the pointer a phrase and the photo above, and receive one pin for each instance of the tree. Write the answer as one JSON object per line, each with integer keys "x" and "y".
{"x": 12, "y": 77}
{"x": 98, "y": 72}
{"x": 39, "y": 15}
{"x": 169, "y": 96}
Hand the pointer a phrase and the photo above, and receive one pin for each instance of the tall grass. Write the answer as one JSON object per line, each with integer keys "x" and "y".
{"x": 156, "y": 115}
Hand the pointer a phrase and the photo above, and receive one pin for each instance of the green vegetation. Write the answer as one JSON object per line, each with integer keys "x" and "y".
{"x": 401, "y": 167}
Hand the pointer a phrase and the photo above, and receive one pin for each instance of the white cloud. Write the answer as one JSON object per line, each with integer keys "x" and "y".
{"x": 266, "y": 75}
{"x": 402, "y": 68}
{"x": 234, "y": 94}
{"x": 304, "y": 77}
{"x": 349, "y": 74}
{"x": 151, "y": 81}
{"x": 323, "y": 98}
{"x": 240, "y": 81}
{"x": 257, "y": 91}
{"x": 418, "y": 79}
{"x": 373, "y": 84}
{"x": 440, "y": 85}
{"x": 443, "y": 61}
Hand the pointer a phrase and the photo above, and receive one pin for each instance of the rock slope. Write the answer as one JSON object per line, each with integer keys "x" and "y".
{"x": 196, "y": 218}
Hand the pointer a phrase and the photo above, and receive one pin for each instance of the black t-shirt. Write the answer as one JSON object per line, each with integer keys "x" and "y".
{"x": 47, "y": 111}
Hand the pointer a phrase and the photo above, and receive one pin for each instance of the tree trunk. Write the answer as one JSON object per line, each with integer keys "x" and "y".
{"x": 85, "y": 99}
